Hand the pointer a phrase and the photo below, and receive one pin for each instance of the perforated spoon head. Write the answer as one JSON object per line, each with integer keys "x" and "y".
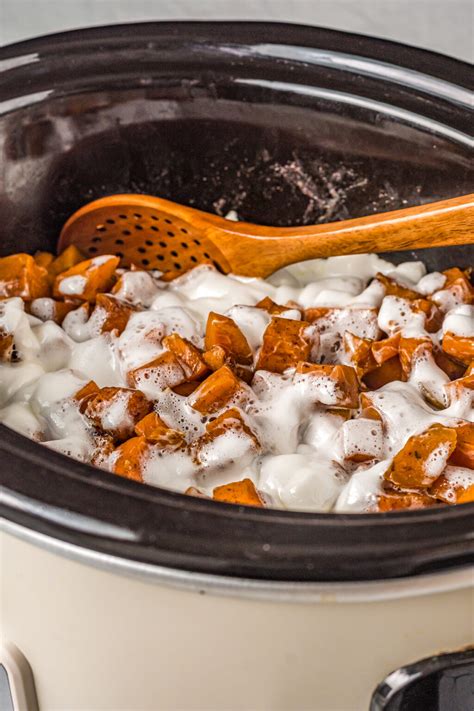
{"x": 153, "y": 233}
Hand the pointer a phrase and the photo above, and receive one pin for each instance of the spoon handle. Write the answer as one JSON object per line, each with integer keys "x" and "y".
{"x": 259, "y": 250}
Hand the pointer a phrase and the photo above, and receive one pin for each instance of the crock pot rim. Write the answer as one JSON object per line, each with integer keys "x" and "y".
{"x": 455, "y": 519}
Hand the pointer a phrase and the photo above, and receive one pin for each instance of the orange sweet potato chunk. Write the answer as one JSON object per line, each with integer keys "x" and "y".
{"x": 285, "y": 343}
{"x": 21, "y": 276}
{"x": 433, "y": 314}
{"x": 89, "y": 389}
{"x": 162, "y": 372}
{"x": 345, "y": 377}
{"x": 459, "y": 347}
{"x": 398, "y": 501}
{"x": 216, "y": 391}
{"x": 229, "y": 420}
{"x": 223, "y": 331}
{"x": 112, "y": 313}
{"x": 410, "y": 348}
{"x": 386, "y": 348}
{"x": 453, "y": 368}
{"x": 367, "y": 408}
{"x": 393, "y": 288}
{"x": 389, "y": 371}
{"x": 67, "y": 259}
{"x": 85, "y": 280}
{"x": 459, "y": 284}
{"x": 242, "y": 492}
{"x": 155, "y": 430}
{"x": 274, "y": 309}
{"x": 43, "y": 259}
{"x": 453, "y": 489}
{"x": 6, "y": 346}
{"x": 422, "y": 458}
{"x": 115, "y": 411}
{"x": 215, "y": 357}
{"x": 128, "y": 458}
{"x": 188, "y": 356}
{"x": 463, "y": 455}
{"x": 359, "y": 352}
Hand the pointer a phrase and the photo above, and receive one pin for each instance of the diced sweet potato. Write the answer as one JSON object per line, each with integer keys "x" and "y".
{"x": 67, "y": 259}
{"x": 398, "y": 501}
{"x": 160, "y": 373}
{"x": 6, "y": 346}
{"x": 188, "y": 356}
{"x": 317, "y": 312}
{"x": 456, "y": 388}
{"x": 458, "y": 283}
{"x": 229, "y": 420}
{"x": 223, "y": 331}
{"x": 43, "y": 259}
{"x": 275, "y": 309}
{"x": 155, "y": 430}
{"x": 128, "y": 458}
{"x": 453, "y": 368}
{"x": 88, "y": 278}
{"x": 217, "y": 391}
{"x": 420, "y": 462}
{"x": 116, "y": 410}
{"x": 410, "y": 348}
{"x": 215, "y": 357}
{"x": 459, "y": 347}
{"x": 359, "y": 352}
{"x": 186, "y": 389}
{"x": 367, "y": 408}
{"x": 389, "y": 371}
{"x": 242, "y": 492}
{"x": 454, "y": 486}
{"x": 386, "y": 348}
{"x": 111, "y": 314}
{"x": 346, "y": 391}
{"x": 433, "y": 314}
{"x": 285, "y": 343}
{"x": 21, "y": 276}
{"x": 463, "y": 455}
{"x": 86, "y": 392}
{"x": 393, "y": 288}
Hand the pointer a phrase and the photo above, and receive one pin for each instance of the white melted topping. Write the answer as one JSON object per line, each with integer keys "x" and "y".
{"x": 306, "y": 458}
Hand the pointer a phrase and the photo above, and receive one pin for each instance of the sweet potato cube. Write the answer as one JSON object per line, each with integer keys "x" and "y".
{"x": 359, "y": 352}
{"x": 393, "y": 288}
{"x": 128, "y": 458}
{"x": 433, "y": 314}
{"x": 410, "y": 348}
{"x": 420, "y": 462}
{"x": 386, "y": 373}
{"x": 85, "y": 280}
{"x": 457, "y": 388}
{"x": 242, "y": 492}
{"x": 6, "y": 346}
{"x": 217, "y": 391}
{"x": 398, "y": 501}
{"x": 346, "y": 384}
{"x": 318, "y": 312}
{"x": 229, "y": 420}
{"x": 111, "y": 314}
{"x": 463, "y": 455}
{"x": 215, "y": 357}
{"x": 43, "y": 259}
{"x": 367, "y": 408}
{"x": 155, "y": 430}
{"x": 454, "y": 486}
{"x": 453, "y": 368}
{"x": 21, "y": 276}
{"x": 285, "y": 343}
{"x": 187, "y": 355}
{"x": 86, "y": 392}
{"x": 223, "y": 331}
{"x": 67, "y": 259}
{"x": 458, "y": 283}
{"x": 186, "y": 388}
{"x": 459, "y": 347}
{"x": 386, "y": 348}
{"x": 116, "y": 411}
{"x": 275, "y": 309}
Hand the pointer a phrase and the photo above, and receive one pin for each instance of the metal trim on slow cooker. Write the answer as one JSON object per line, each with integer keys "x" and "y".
{"x": 81, "y": 507}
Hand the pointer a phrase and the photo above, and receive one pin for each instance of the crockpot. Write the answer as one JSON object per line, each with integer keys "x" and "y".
{"x": 117, "y": 595}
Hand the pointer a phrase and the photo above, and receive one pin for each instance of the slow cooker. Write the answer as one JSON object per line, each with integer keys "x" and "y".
{"x": 117, "y": 595}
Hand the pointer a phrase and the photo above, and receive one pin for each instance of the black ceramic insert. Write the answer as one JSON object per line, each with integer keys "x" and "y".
{"x": 285, "y": 124}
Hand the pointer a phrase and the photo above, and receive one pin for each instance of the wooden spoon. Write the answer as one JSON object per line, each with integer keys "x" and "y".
{"x": 159, "y": 234}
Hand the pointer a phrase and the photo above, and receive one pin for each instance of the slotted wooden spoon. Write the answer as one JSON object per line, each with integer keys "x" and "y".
{"x": 159, "y": 234}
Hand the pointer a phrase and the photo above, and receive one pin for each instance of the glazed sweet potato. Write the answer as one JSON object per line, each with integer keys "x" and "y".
{"x": 155, "y": 430}
{"x": 67, "y": 259}
{"x": 88, "y": 278}
{"x": 110, "y": 314}
{"x": 221, "y": 388}
{"x": 21, "y": 276}
{"x": 285, "y": 343}
{"x": 165, "y": 371}
{"x": 215, "y": 357}
{"x": 242, "y": 492}
{"x": 128, "y": 458}
{"x": 454, "y": 486}
{"x": 420, "y": 462}
{"x": 362, "y": 440}
{"x": 463, "y": 455}
{"x": 458, "y": 283}
{"x": 188, "y": 356}
{"x": 48, "y": 309}
{"x": 433, "y": 314}
{"x": 398, "y": 501}
{"x": 389, "y": 371}
{"x": 6, "y": 346}
{"x": 229, "y": 420}
{"x": 275, "y": 309}
{"x": 115, "y": 411}
{"x": 459, "y": 347}
{"x": 393, "y": 288}
{"x": 223, "y": 331}
{"x": 345, "y": 392}
{"x": 412, "y": 348}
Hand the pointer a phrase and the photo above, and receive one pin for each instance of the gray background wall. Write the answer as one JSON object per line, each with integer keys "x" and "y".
{"x": 443, "y": 25}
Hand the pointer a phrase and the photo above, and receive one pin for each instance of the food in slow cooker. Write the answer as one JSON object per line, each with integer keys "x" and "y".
{"x": 340, "y": 385}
